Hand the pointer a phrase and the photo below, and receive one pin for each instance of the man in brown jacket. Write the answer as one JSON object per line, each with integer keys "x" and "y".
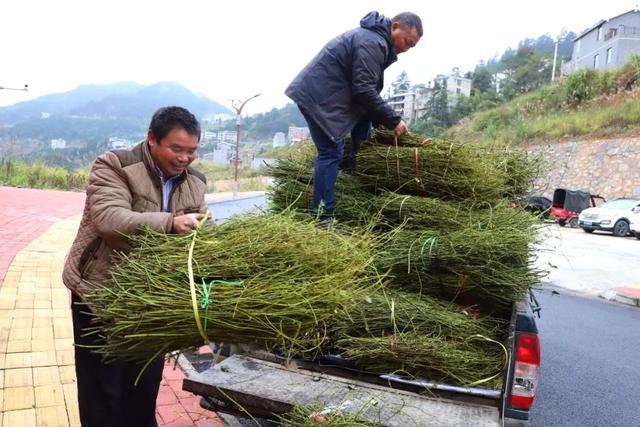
{"x": 149, "y": 185}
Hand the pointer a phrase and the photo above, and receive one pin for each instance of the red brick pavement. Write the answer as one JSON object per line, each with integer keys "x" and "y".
{"x": 27, "y": 213}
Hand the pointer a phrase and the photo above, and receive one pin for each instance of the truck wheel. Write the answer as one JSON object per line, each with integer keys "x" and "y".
{"x": 573, "y": 222}
{"x": 638, "y": 235}
{"x": 621, "y": 228}
{"x": 588, "y": 230}
{"x": 562, "y": 222}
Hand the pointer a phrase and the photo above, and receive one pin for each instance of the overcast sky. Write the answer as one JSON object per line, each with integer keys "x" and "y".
{"x": 236, "y": 48}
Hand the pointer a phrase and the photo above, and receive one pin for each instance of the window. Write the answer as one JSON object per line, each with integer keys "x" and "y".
{"x": 458, "y": 82}
{"x": 609, "y": 55}
{"x": 578, "y": 46}
{"x": 599, "y": 34}
{"x": 596, "y": 60}
{"x": 458, "y": 91}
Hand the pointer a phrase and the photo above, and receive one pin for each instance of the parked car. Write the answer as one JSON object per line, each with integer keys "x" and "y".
{"x": 538, "y": 205}
{"x": 614, "y": 216}
{"x": 634, "y": 225}
{"x": 567, "y": 205}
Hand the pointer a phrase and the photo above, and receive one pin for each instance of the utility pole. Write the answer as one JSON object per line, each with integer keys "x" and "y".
{"x": 555, "y": 57}
{"x": 238, "y": 105}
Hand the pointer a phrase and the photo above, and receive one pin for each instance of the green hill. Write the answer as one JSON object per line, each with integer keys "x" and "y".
{"x": 586, "y": 104}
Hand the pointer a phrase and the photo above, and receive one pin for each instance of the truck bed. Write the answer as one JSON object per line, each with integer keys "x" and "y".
{"x": 263, "y": 388}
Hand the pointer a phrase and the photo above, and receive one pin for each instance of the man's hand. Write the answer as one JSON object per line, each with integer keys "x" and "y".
{"x": 401, "y": 128}
{"x": 185, "y": 223}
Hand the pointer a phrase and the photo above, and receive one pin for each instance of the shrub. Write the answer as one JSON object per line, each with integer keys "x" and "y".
{"x": 581, "y": 86}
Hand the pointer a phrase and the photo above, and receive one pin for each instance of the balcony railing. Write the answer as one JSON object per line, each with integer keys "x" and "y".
{"x": 622, "y": 30}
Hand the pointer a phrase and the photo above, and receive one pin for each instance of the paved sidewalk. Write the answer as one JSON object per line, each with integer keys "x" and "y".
{"x": 596, "y": 264}
{"x": 37, "y": 371}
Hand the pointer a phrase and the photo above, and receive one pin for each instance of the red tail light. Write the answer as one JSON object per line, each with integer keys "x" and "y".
{"x": 526, "y": 373}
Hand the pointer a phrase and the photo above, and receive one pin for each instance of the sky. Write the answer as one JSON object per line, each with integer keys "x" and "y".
{"x": 235, "y": 49}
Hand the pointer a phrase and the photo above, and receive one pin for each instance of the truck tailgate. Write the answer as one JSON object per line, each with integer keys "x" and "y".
{"x": 264, "y": 388}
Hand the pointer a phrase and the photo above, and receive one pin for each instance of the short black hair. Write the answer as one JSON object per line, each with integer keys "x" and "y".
{"x": 166, "y": 119}
{"x": 409, "y": 20}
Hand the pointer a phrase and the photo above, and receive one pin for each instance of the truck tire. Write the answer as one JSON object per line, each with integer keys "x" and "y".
{"x": 562, "y": 222}
{"x": 638, "y": 235}
{"x": 588, "y": 230}
{"x": 621, "y": 228}
{"x": 573, "y": 222}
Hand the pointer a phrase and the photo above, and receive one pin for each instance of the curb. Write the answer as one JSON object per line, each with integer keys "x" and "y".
{"x": 628, "y": 295}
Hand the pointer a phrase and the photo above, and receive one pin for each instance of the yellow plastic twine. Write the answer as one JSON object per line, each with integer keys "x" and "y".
{"x": 192, "y": 283}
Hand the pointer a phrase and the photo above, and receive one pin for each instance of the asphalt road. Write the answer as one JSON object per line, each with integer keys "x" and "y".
{"x": 590, "y": 363}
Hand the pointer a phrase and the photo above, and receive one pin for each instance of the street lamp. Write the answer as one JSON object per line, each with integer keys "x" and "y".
{"x": 24, "y": 89}
{"x": 238, "y": 105}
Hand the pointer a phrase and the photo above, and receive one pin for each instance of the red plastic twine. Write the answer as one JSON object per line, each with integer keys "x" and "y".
{"x": 421, "y": 189}
{"x": 392, "y": 342}
{"x": 463, "y": 282}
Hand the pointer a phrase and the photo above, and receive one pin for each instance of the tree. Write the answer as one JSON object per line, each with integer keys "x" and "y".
{"x": 482, "y": 80}
{"x": 401, "y": 83}
{"x": 527, "y": 70}
{"x": 438, "y": 105}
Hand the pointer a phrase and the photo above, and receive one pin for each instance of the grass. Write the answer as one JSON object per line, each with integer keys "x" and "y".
{"x": 39, "y": 175}
{"x": 585, "y": 104}
{"x": 220, "y": 177}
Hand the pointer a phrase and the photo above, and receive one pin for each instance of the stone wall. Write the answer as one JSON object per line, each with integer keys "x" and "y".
{"x": 609, "y": 167}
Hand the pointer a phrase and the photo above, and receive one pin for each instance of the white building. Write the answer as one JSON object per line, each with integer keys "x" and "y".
{"x": 207, "y": 135}
{"x": 222, "y": 154}
{"x": 412, "y": 105}
{"x": 456, "y": 85}
{"x": 404, "y": 105}
{"x": 116, "y": 143}
{"x": 279, "y": 139}
{"x": 226, "y": 136}
{"x": 58, "y": 144}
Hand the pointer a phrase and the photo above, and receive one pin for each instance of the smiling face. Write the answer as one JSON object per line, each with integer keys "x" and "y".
{"x": 174, "y": 152}
{"x": 403, "y": 37}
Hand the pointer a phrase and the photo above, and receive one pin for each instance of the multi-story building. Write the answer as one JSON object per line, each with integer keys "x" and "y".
{"x": 608, "y": 44}
{"x": 223, "y": 154}
{"x": 412, "y": 105}
{"x": 226, "y": 136}
{"x": 279, "y": 139}
{"x": 297, "y": 134}
{"x": 404, "y": 104}
{"x": 456, "y": 85}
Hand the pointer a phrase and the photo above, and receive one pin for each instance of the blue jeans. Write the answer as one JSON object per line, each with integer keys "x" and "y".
{"x": 360, "y": 132}
{"x": 327, "y": 163}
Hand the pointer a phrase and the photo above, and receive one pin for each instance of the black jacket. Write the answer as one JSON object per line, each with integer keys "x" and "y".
{"x": 343, "y": 82}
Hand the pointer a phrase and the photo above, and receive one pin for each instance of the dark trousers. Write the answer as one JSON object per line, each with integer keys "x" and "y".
{"x": 330, "y": 155}
{"x": 107, "y": 396}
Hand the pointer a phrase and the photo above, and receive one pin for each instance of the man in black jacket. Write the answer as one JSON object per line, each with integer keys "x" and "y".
{"x": 339, "y": 92}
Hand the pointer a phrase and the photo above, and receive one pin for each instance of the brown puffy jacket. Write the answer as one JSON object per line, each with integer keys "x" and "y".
{"x": 123, "y": 196}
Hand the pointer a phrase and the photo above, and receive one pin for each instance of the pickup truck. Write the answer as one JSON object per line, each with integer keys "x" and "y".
{"x": 262, "y": 385}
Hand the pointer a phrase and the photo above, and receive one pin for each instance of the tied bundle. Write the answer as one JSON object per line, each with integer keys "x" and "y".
{"x": 418, "y": 355}
{"x": 486, "y": 262}
{"x": 402, "y": 332}
{"x": 438, "y": 169}
{"x": 266, "y": 279}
